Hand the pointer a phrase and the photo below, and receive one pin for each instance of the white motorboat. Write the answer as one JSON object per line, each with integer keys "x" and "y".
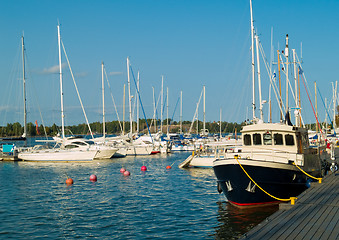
{"x": 40, "y": 153}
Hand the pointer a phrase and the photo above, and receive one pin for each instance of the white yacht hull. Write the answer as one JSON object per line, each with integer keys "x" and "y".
{"x": 58, "y": 156}
{"x": 105, "y": 153}
{"x": 139, "y": 150}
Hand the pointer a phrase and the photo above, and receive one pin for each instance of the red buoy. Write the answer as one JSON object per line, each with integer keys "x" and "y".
{"x": 127, "y": 173}
{"x": 69, "y": 181}
{"x": 143, "y": 168}
{"x": 168, "y": 167}
{"x": 93, "y": 178}
{"x": 122, "y": 170}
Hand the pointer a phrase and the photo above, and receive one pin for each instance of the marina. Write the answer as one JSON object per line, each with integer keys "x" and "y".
{"x": 134, "y": 167}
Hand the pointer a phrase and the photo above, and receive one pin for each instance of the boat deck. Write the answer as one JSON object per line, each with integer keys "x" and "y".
{"x": 314, "y": 216}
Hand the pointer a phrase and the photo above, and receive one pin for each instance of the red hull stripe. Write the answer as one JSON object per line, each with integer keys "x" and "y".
{"x": 251, "y": 204}
{"x": 155, "y": 152}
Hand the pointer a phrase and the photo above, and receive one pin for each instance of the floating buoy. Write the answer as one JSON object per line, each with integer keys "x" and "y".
{"x": 93, "y": 178}
{"x": 122, "y": 170}
{"x": 127, "y": 173}
{"x": 69, "y": 181}
{"x": 168, "y": 167}
{"x": 143, "y": 168}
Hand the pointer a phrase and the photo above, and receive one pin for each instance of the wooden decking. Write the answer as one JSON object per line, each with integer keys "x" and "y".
{"x": 314, "y": 216}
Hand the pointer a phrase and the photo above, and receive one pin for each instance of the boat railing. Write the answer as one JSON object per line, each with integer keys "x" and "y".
{"x": 280, "y": 156}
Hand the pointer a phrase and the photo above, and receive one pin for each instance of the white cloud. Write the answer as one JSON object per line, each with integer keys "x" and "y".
{"x": 52, "y": 70}
{"x": 115, "y": 73}
{"x": 81, "y": 74}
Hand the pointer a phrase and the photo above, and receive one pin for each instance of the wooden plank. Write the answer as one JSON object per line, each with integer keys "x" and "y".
{"x": 331, "y": 227}
{"x": 315, "y": 216}
{"x": 264, "y": 223}
{"x": 299, "y": 225}
{"x": 275, "y": 225}
{"x": 309, "y": 223}
{"x": 323, "y": 223}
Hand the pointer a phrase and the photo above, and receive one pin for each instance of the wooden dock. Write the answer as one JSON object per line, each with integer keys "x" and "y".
{"x": 314, "y": 216}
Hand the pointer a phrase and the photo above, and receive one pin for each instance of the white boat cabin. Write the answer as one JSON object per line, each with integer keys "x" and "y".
{"x": 277, "y": 136}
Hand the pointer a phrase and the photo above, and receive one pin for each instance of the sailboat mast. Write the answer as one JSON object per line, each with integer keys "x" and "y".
{"x": 138, "y": 82}
{"x": 316, "y": 106}
{"x": 287, "y": 63}
{"x": 123, "y": 110}
{"x": 204, "y": 127}
{"x": 154, "y": 110}
{"x": 129, "y": 99}
{"x": 197, "y": 118}
{"x": 253, "y": 70}
{"x": 162, "y": 101}
{"x": 220, "y": 122}
{"x": 103, "y": 100}
{"x": 259, "y": 78}
{"x": 280, "y": 99}
{"x": 299, "y": 100}
{"x": 296, "y": 89}
{"x": 180, "y": 112}
{"x": 334, "y": 105}
{"x": 270, "y": 90}
{"x": 61, "y": 88}
{"x": 24, "y": 86}
{"x": 167, "y": 114}
{"x": 326, "y": 117}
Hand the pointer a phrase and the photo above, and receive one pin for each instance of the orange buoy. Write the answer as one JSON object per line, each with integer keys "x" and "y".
{"x": 168, "y": 167}
{"x": 93, "y": 178}
{"x": 69, "y": 181}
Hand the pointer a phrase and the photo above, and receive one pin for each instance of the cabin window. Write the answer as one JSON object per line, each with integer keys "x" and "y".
{"x": 278, "y": 139}
{"x": 267, "y": 139}
{"x": 71, "y": 146}
{"x": 289, "y": 140}
{"x": 257, "y": 139}
{"x": 247, "y": 139}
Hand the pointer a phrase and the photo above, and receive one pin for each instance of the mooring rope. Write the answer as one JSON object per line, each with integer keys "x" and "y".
{"x": 319, "y": 179}
{"x": 292, "y": 199}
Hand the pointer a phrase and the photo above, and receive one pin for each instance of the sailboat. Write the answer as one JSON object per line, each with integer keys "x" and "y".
{"x": 59, "y": 152}
{"x": 24, "y": 135}
{"x": 135, "y": 146}
{"x": 273, "y": 161}
{"x": 9, "y": 151}
{"x": 103, "y": 151}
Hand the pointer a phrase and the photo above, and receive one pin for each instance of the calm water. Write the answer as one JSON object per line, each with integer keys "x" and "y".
{"x": 157, "y": 204}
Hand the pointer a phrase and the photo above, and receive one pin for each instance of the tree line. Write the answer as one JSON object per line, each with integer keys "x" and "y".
{"x": 114, "y": 127}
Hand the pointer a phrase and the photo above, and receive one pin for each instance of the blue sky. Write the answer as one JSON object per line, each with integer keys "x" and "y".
{"x": 191, "y": 43}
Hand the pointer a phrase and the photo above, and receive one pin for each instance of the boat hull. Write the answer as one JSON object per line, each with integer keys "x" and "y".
{"x": 120, "y": 153}
{"x": 105, "y": 153}
{"x": 139, "y": 150}
{"x": 280, "y": 180}
{"x": 58, "y": 156}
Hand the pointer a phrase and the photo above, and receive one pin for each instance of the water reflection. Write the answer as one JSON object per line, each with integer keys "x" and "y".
{"x": 233, "y": 222}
